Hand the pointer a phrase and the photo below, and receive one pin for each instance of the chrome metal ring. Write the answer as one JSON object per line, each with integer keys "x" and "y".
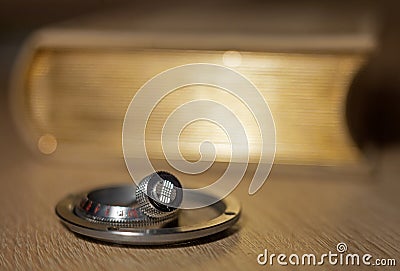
{"x": 114, "y": 205}
{"x": 187, "y": 225}
{"x": 154, "y": 201}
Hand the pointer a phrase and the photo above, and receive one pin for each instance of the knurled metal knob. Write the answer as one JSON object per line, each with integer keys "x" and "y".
{"x": 159, "y": 195}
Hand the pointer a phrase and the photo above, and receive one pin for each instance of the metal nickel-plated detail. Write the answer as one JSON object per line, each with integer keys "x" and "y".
{"x": 117, "y": 205}
{"x": 159, "y": 194}
{"x": 228, "y": 211}
{"x": 103, "y": 213}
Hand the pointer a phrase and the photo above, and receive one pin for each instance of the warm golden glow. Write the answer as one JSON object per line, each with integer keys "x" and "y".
{"x": 47, "y": 144}
{"x": 232, "y": 59}
{"x": 81, "y": 96}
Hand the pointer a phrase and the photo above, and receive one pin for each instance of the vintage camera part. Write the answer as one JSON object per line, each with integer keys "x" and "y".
{"x": 187, "y": 225}
{"x": 159, "y": 194}
{"x": 116, "y": 205}
{"x": 156, "y": 200}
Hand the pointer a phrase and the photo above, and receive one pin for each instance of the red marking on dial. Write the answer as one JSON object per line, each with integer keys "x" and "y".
{"x": 97, "y": 208}
{"x": 132, "y": 213}
{"x": 88, "y": 206}
{"x": 107, "y": 210}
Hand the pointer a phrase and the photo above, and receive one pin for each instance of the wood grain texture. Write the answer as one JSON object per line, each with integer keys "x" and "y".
{"x": 298, "y": 210}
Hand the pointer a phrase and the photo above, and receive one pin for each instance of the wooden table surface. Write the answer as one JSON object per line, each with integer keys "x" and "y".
{"x": 299, "y": 210}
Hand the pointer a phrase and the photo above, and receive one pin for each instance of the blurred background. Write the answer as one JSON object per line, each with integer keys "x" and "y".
{"x": 329, "y": 72}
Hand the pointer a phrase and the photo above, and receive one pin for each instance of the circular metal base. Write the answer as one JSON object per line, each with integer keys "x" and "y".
{"x": 189, "y": 225}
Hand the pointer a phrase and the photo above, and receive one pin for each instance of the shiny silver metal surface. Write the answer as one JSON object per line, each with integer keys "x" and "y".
{"x": 116, "y": 205}
{"x": 188, "y": 225}
{"x": 159, "y": 195}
